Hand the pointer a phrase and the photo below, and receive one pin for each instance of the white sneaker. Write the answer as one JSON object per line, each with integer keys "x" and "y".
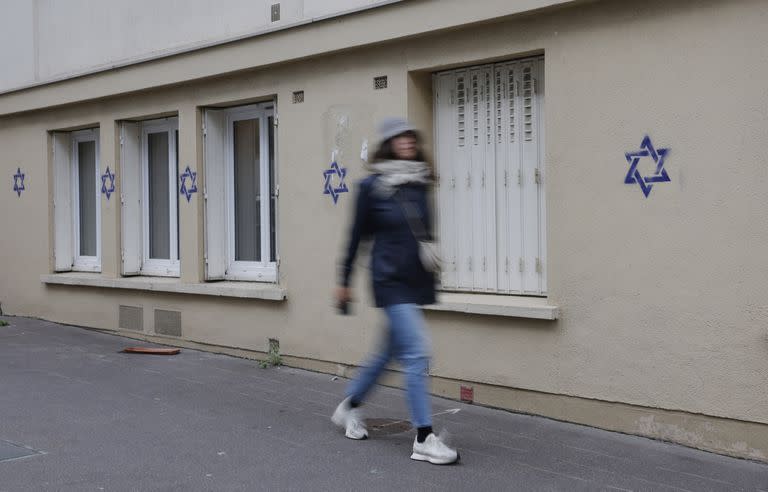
{"x": 434, "y": 451}
{"x": 351, "y": 420}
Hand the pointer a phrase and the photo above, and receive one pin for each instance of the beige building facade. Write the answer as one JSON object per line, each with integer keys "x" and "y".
{"x": 601, "y": 202}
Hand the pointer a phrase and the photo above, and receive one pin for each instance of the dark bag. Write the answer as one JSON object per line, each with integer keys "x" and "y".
{"x": 428, "y": 251}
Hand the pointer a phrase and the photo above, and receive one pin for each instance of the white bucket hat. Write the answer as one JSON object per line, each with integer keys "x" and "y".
{"x": 392, "y": 127}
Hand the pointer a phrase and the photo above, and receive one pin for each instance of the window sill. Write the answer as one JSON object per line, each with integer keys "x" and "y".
{"x": 496, "y": 305}
{"x": 243, "y": 290}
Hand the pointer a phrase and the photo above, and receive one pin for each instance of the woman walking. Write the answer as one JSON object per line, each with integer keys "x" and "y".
{"x": 392, "y": 209}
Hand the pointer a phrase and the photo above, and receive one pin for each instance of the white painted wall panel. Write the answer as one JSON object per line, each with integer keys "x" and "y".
{"x": 322, "y": 8}
{"x": 17, "y": 47}
{"x": 44, "y": 40}
{"x": 112, "y": 32}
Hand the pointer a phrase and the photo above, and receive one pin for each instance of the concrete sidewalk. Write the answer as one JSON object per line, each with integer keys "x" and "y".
{"x": 77, "y": 415}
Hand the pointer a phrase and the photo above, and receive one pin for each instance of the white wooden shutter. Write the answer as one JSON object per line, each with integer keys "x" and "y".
{"x": 467, "y": 167}
{"x": 214, "y": 148}
{"x": 63, "y": 249}
{"x": 491, "y": 197}
{"x": 130, "y": 197}
{"x": 450, "y": 114}
{"x": 487, "y": 278}
{"x": 476, "y": 236}
{"x": 539, "y": 111}
{"x": 462, "y": 195}
{"x": 509, "y": 184}
{"x": 531, "y": 177}
{"x": 479, "y": 179}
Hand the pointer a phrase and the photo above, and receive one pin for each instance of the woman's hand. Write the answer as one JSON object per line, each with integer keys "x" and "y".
{"x": 343, "y": 295}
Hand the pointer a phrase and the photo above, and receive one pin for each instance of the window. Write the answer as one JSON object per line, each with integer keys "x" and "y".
{"x": 149, "y": 160}
{"x": 240, "y": 193}
{"x": 76, "y": 193}
{"x": 490, "y": 196}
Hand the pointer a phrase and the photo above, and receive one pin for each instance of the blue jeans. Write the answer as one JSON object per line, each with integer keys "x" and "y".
{"x": 407, "y": 341}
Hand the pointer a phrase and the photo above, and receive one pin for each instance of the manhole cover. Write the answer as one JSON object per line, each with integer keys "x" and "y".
{"x": 387, "y": 426}
{"x": 10, "y": 451}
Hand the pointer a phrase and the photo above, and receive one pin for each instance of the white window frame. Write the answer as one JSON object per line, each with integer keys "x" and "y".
{"x": 154, "y": 266}
{"x": 266, "y": 270}
{"x": 85, "y": 263}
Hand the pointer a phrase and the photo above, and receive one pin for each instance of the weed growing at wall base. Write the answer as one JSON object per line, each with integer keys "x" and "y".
{"x": 273, "y": 356}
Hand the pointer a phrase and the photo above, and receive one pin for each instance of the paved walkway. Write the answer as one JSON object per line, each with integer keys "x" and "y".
{"x": 90, "y": 418}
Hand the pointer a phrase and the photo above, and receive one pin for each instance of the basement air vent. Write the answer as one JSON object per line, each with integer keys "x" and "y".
{"x": 274, "y": 346}
{"x": 380, "y": 82}
{"x": 275, "y": 12}
{"x": 167, "y": 322}
{"x": 298, "y": 97}
{"x": 131, "y": 318}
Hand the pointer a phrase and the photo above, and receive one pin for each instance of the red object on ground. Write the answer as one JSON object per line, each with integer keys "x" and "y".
{"x": 467, "y": 394}
{"x": 152, "y": 350}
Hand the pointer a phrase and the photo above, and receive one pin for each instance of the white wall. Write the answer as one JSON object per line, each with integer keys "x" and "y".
{"x": 44, "y": 40}
{"x": 17, "y": 46}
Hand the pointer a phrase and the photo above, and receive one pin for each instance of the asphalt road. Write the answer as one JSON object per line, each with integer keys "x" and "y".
{"x": 78, "y": 415}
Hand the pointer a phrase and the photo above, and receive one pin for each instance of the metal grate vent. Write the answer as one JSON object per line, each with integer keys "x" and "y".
{"x": 380, "y": 82}
{"x": 167, "y": 322}
{"x": 274, "y": 346}
{"x": 387, "y": 427}
{"x": 131, "y": 318}
{"x": 298, "y": 97}
{"x": 275, "y": 12}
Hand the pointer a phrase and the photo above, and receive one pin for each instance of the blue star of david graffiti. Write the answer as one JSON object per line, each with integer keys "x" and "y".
{"x": 329, "y": 189}
{"x": 190, "y": 175}
{"x": 646, "y": 182}
{"x": 108, "y": 177}
{"x": 18, "y": 182}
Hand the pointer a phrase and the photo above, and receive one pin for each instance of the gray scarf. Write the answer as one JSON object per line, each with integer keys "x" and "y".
{"x": 393, "y": 174}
